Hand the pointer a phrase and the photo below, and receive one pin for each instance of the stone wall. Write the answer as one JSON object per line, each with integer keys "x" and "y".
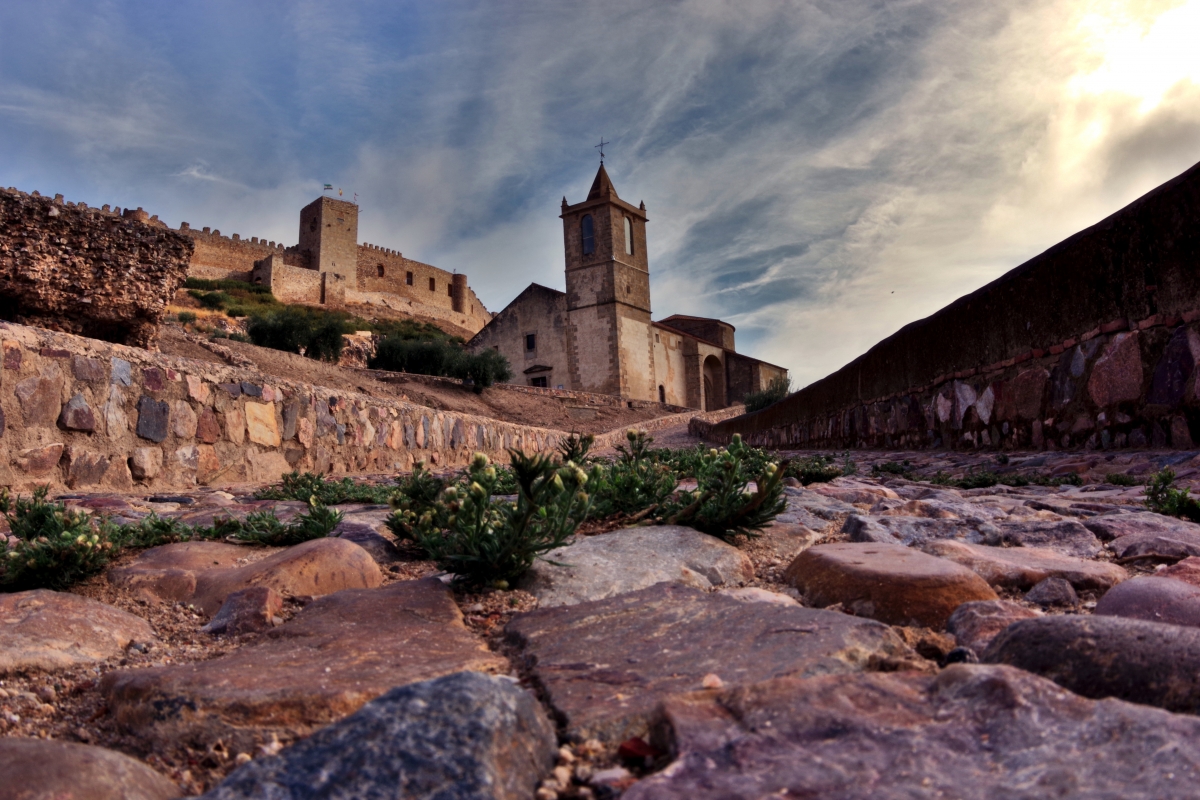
{"x": 386, "y": 272}
{"x": 1092, "y": 343}
{"x": 90, "y": 271}
{"x": 218, "y": 257}
{"x": 88, "y": 415}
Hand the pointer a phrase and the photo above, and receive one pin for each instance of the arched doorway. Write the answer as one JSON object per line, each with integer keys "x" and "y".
{"x": 714, "y": 384}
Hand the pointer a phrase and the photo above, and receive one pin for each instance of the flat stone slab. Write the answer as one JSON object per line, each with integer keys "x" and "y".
{"x": 970, "y": 733}
{"x": 47, "y": 630}
{"x": 1067, "y": 537}
{"x": 605, "y": 665}
{"x": 1024, "y": 567}
{"x": 916, "y": 531}
{"x": 1157, "y": 599}
{"x": 888, "y": 582}
{"x": 597, "y": 567}
{"x": 1187, "y": 570}
{"x": 1115, "y": 526}
{"x": 465, "y": 736}
{"x": 812, "y": 510}
{"x": 974, "y": 625}
{"x": 338, "y": 653}
{"x": 314, "y": 568}
{"x": 1102, "y": 656}
{"x": 852, "y": 491}
{"x": 1169, "y": 545}
{"x": 46, "y": 769}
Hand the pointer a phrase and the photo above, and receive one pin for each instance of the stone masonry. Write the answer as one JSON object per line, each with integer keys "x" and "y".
{"x": 93, "y": 272}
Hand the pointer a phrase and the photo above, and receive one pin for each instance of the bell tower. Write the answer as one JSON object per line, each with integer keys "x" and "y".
{"x": 609, "y": 344}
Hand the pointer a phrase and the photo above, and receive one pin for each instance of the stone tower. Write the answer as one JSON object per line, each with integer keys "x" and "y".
{"x": 608, "y": 293}
{"x": 329, "y": 234}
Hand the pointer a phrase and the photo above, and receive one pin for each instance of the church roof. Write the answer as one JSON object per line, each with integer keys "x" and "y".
{"x": 602, "y": 186}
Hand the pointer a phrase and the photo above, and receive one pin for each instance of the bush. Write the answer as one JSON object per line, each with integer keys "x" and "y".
{"x": 186, "y": 317}
{"x": 1163, "y": 498}
{"x": 892, "y": 469}
{"x": 443, "y": 357}
{"x": 55, "y": 547}
{"x": 306, "y": 486}
{"x": 482, "y": 542}
{"x": 721, "y": 505}
{"x": 265, "y": 529}
{"x": 772, "y": 393}
{"x": 1121, "y": 479}
{"x": 314, "y": 334}
{"x": 635, "y": 483}
{"x": 815, "y": 469}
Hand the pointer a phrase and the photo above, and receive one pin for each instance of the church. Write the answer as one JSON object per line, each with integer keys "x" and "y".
{"x": 598, "y": 336}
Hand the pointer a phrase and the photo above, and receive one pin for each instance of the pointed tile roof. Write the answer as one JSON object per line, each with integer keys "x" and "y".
{"x": 602, "y": 186}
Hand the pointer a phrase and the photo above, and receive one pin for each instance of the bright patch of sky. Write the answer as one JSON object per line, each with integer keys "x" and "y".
{"x": 817, "y": 173}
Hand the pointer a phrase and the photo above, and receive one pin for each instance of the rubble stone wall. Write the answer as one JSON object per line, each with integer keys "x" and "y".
{"x": 1093, "y": 343}
{"x": 90, "y": 271}
{"x": 87, "y": 415}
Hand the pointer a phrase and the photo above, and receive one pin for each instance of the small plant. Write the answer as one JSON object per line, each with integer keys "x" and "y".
{"x": 980, "y": 479}
{"x": 487, "y": 543}
{"x": 187, "y": 317}
{"x": 264, "y": 528}
{"x": 417, "y": 496}
{"x": 1121, "y": 479}
{"x": 1163, "y": 498}
{"x": 892, "y": 469}
{"x": 849, "y": 467}
{"x": 575, "y": 448}
{"x": 772, "y": 393}
{"x": 814, "y": 469}
{"x": 1002, "y": 459}
{"x": 722, "y": 504}
{"x": 54, "y": 547}
{"x": 636, "y": 483}
{"x": 307, "y": 485}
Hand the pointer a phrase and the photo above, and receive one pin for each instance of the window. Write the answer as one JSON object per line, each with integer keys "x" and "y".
{"x": 588, "y": 230}
{"x": 450, "y": 289}
{"x": 542, "y": 382}
{"x": 628, "y": 236}
{"x": 432, "y": 285}
{"x": 408, "y": 278}
{"x": 531, "y": 341}
{"x": 379, "y": 268}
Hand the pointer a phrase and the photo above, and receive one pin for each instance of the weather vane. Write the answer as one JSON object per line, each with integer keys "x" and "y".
{"x": 601, "y": 148}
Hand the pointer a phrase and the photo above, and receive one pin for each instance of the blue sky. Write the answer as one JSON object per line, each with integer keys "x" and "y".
{"x": 817, "y": 173}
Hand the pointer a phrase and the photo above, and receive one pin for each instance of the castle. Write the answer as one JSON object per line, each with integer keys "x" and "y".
{"x": 598, "y": 336}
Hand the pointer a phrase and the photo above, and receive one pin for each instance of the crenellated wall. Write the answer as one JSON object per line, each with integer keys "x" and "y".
{"x": 88, "y": 415}
{"x": 1093, "y": 343}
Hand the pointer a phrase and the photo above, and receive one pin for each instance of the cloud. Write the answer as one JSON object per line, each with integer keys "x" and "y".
{"x": 818, "y": 173}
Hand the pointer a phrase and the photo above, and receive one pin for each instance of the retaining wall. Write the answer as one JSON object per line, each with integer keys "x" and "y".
{"x": 1090, "y": 344}
{"x": 87, "y": 415}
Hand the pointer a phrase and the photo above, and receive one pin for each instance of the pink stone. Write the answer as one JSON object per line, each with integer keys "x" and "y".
{"x": 1117, "y": 376}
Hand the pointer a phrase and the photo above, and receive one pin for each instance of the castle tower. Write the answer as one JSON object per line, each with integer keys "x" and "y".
{"x": 608, "y": 294}
{"x": 329, "y": 234}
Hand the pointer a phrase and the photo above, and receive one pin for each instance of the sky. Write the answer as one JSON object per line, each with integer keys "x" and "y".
{"x": 818, "y": 173}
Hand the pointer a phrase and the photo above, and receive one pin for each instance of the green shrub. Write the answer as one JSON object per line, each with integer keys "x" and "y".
{"x": 312, "y": 333}
{"x": 214, "y": 300}
{"x": 814, "y": 469}
{"x": 772, "y": 393}
{"x": 575, "y": 448}
{"x": 1121, "y": 479}
{"x": 308, "y": 485}
{"x": 264, "y": 528}
{"x": 443, "y": 357}
{"x": 635, "y": 482}
{"x": 186, "y": 317}
{"x": 722, "y": 505}
{"x": 1163, "y": 498}
{"x": 483, "y": 542}
{"x": 892, "y": 469}
{"x": 55, "y": 547}
{"x": 688, "y": 463}
{"x": 416, "y": 497}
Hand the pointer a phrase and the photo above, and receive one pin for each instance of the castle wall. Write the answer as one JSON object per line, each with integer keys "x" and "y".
{"x": 156, "y": 422}
{"x": 218, "y": 257}
{"x": 1093, "y": 343}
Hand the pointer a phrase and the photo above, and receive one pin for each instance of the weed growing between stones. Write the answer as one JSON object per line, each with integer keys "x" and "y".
{"x": 307, "y": 485}
{"x": 774, "y": 391}
{"x": 264, "y": 528}
{"x": 53, "y": 547}
{"x": 1121, "y": 479}
{"x": 814, "y": 469}
{"x": 1163, "y": 498}
{"x": 889, "y": 469}
{"x": 982, "y": 479}
{"x": 636, "y": 483}
{"x": 722, "y": 505}
{"x": 486, "y": 542}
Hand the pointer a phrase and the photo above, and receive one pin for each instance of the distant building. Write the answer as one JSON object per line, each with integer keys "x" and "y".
{"x": 598, "y": 336}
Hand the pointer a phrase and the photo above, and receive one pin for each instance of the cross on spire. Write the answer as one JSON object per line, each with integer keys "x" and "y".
{"x": 601, "y": 148}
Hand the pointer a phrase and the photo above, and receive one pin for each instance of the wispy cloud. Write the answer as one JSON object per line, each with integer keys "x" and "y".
{"x": 819, "y": 173}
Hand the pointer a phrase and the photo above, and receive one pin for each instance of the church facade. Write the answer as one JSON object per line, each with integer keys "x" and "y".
{"x": 599, "y": 336}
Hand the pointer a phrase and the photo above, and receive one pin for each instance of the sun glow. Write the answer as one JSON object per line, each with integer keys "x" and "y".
{"x": 1141, "y": 55}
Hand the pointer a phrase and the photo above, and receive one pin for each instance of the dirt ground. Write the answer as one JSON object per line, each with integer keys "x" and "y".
{"x": 495, "y": 402}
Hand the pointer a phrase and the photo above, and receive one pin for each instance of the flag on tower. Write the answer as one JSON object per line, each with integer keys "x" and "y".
{"x": 328, "y": 187}
{"x": 339, "y": 192}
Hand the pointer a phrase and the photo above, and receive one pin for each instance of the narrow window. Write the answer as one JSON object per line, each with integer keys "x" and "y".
{"x": 588, "y": 230}
{"x": 450, "y": 289}
{"x": 432, "y": 285}
{"x": 628, "y": 236}
{"x": 531, "y": 341}
{"x": 662, "y": 392}
{"x": 379, "y": 267}
{"x": 408, "y": 278}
